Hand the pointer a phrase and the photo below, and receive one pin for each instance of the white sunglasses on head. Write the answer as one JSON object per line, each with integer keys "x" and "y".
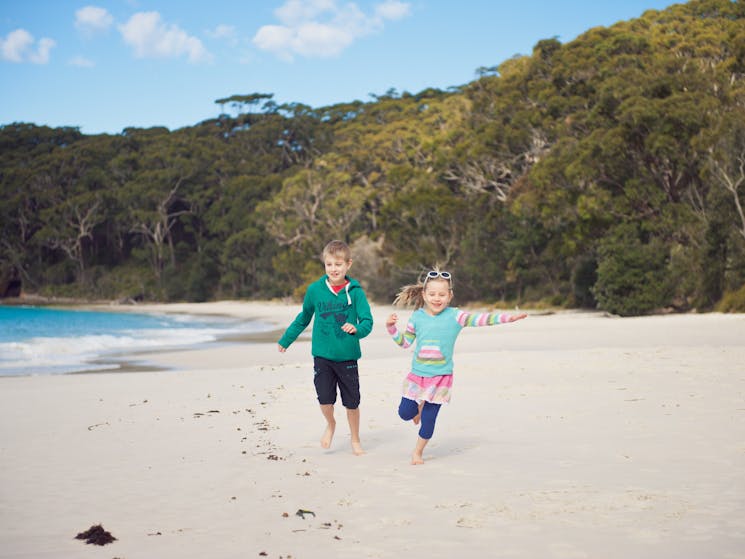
{"x": 434, "y": 274}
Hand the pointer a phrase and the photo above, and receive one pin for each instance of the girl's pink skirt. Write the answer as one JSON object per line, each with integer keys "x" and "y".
{"x": 428, "y": 389}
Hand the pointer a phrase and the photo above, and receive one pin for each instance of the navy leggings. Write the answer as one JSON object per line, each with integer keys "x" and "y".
{"x": 408, "y": 409}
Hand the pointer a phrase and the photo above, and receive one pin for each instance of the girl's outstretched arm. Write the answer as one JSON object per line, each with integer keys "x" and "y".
{"x": 465, "y": 318}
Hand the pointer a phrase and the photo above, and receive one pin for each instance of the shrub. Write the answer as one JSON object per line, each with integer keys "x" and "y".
{"x": 733, "y": 301}
{"x": 632, "y": 274}
{"x": 584, "y": 277}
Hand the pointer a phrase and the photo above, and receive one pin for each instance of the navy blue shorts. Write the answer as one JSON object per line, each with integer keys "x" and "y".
{"x": 330, "y": 375}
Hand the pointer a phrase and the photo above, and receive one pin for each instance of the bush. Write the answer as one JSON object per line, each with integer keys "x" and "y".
{"x": 584, "y": 277}
{"x": 632, "y": 274}
{"x": 733, "y": 301}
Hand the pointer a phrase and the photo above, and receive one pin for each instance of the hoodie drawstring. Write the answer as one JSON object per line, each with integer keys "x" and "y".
{"x": 346, "y": 290}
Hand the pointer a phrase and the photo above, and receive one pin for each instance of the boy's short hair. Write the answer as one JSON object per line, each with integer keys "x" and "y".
{"x": 337, "y": 248}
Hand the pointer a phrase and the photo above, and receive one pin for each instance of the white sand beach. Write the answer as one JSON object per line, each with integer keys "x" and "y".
{"x": 570, "y": 435}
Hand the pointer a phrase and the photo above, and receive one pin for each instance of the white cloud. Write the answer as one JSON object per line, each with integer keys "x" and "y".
{"x": 222, "y": 31}
{"x": 152, "y": 38}
{"x": 295, "y": 12}
{"x": 20, "y": 46}
{"x": 92, "y": 19}
{"x": 41, "y": 55}
{"x": 309, "y": 39}
{"x": 275, "y": 38}
{"x": 81, "y": 62}
{"x": 393, "y": 10}
{"x": 226, "y": 33}
{"x": 323, "y": 28}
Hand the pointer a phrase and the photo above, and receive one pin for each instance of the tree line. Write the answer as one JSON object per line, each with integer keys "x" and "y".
{"x": 607, "y": 172}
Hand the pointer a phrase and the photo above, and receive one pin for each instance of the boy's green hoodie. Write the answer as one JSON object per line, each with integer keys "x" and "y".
{"x": 331, "y": 311}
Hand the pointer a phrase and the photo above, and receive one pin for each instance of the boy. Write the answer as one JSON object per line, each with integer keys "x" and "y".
{"x": 342, "y": 319}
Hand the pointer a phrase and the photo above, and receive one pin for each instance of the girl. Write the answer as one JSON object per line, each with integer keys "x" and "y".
{"x": 435, "y": 327}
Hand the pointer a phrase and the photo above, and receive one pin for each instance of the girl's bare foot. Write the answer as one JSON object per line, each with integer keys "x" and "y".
{"x": 416, "y": 457}
{"x": 357, "y": 448}
{"x": 328, "y": 435}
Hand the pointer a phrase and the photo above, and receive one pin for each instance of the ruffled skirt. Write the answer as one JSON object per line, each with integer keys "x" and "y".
{"x": 428, "y": 389}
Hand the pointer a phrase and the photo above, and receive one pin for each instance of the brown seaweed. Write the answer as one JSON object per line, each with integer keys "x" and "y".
{"x": 96, "y": 535}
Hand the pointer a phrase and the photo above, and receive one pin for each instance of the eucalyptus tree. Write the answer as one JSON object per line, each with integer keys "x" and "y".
{"x": 75, "y": 186}
{"x": 314, "y": 204}
{"x": 726, "y": 167}
{"x": 620, "y": 109}
{"x": 25, "y": 191}
{"x": 157, "y": 194}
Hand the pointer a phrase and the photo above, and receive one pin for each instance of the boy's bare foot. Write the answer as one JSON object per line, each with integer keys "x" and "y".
{"x": 416, "y": 459}
{"x": 357, "y": 448}
{"x": 328, "y": 435}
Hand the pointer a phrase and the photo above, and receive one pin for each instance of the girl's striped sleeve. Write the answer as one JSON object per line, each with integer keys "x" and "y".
{"x": 405, "y": 338}
{"x": 481, "y": 319}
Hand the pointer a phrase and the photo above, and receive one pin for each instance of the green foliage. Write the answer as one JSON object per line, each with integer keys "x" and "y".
{"x": 124, "y": 282}
{"x": 631, "y": 273}
{"x": 733, "y": 301}
{"x": 602, "y": 173}
{"x": 584, "y": 279}
{"x": 713, "y": 263}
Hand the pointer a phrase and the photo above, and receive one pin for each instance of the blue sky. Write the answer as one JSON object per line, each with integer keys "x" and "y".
{"x": 105, "y": 65}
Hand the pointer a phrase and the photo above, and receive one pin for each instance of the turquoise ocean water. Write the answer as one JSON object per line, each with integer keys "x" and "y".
{"x": 41, "y": 340}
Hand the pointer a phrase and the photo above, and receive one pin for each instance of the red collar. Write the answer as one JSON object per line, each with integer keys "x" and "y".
{"x": 338, "y": 288}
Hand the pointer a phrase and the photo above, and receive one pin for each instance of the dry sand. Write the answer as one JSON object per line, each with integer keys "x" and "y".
{"x": 572, "y": 435}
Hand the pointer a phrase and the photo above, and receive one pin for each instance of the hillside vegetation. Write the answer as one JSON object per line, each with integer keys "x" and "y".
{"x": 607, "y": 172}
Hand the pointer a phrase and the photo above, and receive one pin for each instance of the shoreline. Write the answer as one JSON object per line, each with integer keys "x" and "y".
{"x": 138, "y": 359}
{"x": 127, "y": 305}
{"x": 569, "y": 435}
{"x": 141, "y": 362}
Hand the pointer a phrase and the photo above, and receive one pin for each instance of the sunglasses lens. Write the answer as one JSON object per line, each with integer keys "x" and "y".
{"x": 432, "y": 274}
{"x": 445, "y": 275}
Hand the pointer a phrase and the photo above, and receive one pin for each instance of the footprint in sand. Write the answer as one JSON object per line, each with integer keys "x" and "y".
{"x": 469, "y": 522}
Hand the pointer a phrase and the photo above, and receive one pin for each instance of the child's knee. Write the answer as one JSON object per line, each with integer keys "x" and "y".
{"x": 350, "y": 400}
{"x": 426, "y": 433}
{"x": 407, "y": 409}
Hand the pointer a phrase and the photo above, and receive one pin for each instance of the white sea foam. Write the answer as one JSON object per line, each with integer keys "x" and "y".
{"x": 45, "y": 355}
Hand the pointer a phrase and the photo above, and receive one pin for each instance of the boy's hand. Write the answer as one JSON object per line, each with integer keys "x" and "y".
{"x": 520, "y": 316}
{"x": 281, "y": 349}
{"x": 349, "y": 328}
{"x": 392, "y": 319}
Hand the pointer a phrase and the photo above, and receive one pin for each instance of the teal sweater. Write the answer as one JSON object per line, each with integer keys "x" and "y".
{"x": 331, "y": 311}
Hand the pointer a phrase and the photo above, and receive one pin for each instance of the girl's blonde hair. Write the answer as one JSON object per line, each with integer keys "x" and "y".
{"x": 412, "y": 295}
